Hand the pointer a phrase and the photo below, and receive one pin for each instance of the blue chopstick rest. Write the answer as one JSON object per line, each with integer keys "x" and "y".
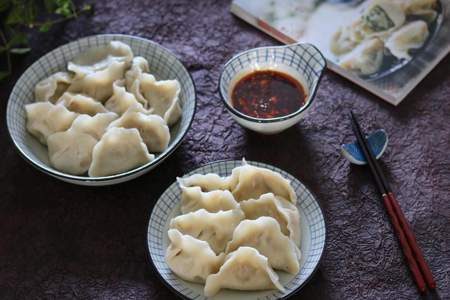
{"x": 377, "y": 141}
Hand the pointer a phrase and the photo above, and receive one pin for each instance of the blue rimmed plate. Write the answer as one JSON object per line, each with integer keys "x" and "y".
{"x": 312, "y": 239}
{"x": 163, "y": 64}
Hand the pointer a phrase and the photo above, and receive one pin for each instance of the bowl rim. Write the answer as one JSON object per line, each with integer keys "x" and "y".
{"x": 239, "y": 114}
{"x": 285, "y": 297}
{"x": 159, "y": 159}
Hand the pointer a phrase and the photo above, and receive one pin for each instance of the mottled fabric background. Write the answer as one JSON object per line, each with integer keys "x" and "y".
{"x": 61, "y": 241}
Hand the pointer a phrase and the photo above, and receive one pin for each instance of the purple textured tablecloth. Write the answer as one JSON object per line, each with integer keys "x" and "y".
{"x": 60, "y": 241}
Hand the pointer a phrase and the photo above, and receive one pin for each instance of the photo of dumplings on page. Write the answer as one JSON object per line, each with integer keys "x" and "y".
{"x": 235, "y": 232}
{"x": 105, "y": 114}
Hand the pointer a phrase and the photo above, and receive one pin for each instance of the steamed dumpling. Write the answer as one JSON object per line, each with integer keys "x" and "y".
{"x": 264, "y": 234}
{"x": 52, "y": 87}
{"x": 192, "y": 199}
{"x": 100, "y": 58}
{"x": 94, "y": 126}
{"x": 244, "y": 269}
{"x": 163, "y": 97}
{"x": 366, "y": 58}
{"x": 71, "y": 151}
{"x": 342, "y": 41}
{"x": 190, "y": 258}
{"x": 121, "y": 100}
{"x": 81, "y": 104}
{"x": 249, "y": 182}
{"x": 139, "y": 65}
{"x": 214, "y": 228}
{"x": 410, "y": 36}
{"x": 382, "y": 15}
{"x": 99, "y": 84}
{"x": 45, "y": 118}
{"x": 278, "y": 208}
{"x": 152, "y": 128}
{"x": 207, "y": 182}
{"x": 119, "y": 150}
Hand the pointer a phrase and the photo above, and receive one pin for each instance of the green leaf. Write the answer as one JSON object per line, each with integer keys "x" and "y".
{"x": 3, "y": 49}
{"x": 4, "y": 5}
{"x": 45, "y": 27}
{"x": 20, "y": 50}
{"x": 3, "y": 75}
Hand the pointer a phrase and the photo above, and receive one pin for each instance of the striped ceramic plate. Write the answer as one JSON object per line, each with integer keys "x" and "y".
{"x": 312, "y": 238}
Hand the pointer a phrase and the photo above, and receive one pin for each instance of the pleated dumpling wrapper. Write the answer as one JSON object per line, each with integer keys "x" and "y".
{"x": 191, "y": 259}
{"x": 45, "y": 118}
{"x": 250, "y": 182}
{"x": 139, "y": 65}
{"x": 119, "y": 150}
{"x": 71, "y": 151}
{"x": 99, "y": 58}
{"x": 264, "y": 234}
{"x": 94, "y": 126}
{"x": 121, "y": 100}
{"x": 207, "y": 182}
{"x": 192, "y": 199}
{"x": 366, "y": 58}
{"x": 163, "y": 97}
{"x": 52, "y": 87}
{"x": 244, "y": 269}
{"x": 214, "y": 228}
{"x": 81, "y": 104}
{"x": 409, "y": 37}
{"x": 283, "y": 211}
{"x": 153, "y": 129}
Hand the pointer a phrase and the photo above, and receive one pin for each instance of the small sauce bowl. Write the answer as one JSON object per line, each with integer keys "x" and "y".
{"x": 302, "y": 62}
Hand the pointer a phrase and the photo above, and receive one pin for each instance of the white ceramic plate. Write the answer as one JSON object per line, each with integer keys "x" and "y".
{"x": 312, "y": 239}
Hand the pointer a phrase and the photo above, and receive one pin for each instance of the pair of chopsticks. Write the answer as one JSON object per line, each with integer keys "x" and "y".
{"x": 420, "y": 270}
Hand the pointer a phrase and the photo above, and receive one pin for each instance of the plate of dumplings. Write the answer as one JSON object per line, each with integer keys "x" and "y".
{"x": 385, "y": 36}
{"x": 236, "y": 230}
{"x": 101, "y": 110}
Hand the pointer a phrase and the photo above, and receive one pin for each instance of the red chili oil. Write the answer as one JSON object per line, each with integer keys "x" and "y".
{"x": 267, "y": 94}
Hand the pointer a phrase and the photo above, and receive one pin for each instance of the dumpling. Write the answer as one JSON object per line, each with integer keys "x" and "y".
{"x": 81, "y": 104}
{"x": 382, "y": 15}
{"x": 192, "y": 199}
{"x": 154, "y": 131}
{"x": 190, "y": 258}
{"x": 281, "y": 210}
{"x": 163, "y": 97}
{"x": 119, "y": 150}
{"x": 94, "y": 126}
{"x": 121, "y": 100}
{"x": 214, "y": 228}
{"x": 342, "y": 41}
{"x": 139, "y": 65}
{"x": 207, "y": 182}
{"x": 45, "y": 118}
{"x": 71, "y": 151}
{"x": 410, "y": 36}
{"x": 264, "y": 234}
{"x": 366, "y": 58}
{"x": 244, "y": 269}
{"x": 249, "y": 182}
{"x": 97, "y": 59}
{"x": 99, "y": 84}
{"x": 52, "y": 87}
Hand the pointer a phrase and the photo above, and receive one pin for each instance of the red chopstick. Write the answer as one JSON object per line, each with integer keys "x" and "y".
{"x": 416, "y": 262}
